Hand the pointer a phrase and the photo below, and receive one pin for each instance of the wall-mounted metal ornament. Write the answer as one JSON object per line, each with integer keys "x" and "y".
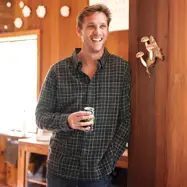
{"x": 153, "y": 53}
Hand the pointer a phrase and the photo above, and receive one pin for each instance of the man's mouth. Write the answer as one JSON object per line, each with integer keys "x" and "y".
{"x": 96, "y": 39}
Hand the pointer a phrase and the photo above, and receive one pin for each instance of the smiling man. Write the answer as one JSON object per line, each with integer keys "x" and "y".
{"x": 86, "y": 144}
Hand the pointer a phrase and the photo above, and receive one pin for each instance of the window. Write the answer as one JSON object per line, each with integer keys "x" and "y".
{"x": 19, "y": 66}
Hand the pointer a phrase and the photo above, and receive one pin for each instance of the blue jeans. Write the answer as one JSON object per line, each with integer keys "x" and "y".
{"x": 56, "y": 181}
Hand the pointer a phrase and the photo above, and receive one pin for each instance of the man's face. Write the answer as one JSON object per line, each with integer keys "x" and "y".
{"x": 94, "y": 32}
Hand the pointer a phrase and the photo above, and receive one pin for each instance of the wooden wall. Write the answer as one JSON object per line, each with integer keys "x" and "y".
{"x": 6, "y": 16}
{"x": 58, "y": 34}
{"x": 177, "y": 91}
{"x": 158, "y": 146}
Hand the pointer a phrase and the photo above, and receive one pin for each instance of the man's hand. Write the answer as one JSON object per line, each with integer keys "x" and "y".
{"x": 80, "y": 120}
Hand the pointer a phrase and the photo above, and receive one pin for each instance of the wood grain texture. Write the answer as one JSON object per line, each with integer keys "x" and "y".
{"x": 177, "y": 91}
{"x": 161, "y": 91}
{"x": 6, "y": 16}
{"x": 142, "y": 146}
{"x": 2, "y": 185}
{"x": 157, "y": 155}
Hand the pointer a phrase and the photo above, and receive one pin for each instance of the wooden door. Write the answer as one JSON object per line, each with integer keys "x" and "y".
{"x": 158, "y": 145}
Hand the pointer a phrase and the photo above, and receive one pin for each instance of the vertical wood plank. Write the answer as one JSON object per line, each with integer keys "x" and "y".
{"x": 21, "y": 167}
{"x": 157, "y": 156}
{"x": 142, "y": 155}
{"x": 177, "y": 91}
{"x": 161, "y": 90}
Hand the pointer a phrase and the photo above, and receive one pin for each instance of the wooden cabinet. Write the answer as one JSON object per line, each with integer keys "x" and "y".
{"x": 27, "y": 146}
{"x": 8, "y": 171}
{"x": 31, "y": 145}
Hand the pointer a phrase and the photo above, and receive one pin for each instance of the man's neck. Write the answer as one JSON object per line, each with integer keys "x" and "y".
{"x": 89, "y": 58}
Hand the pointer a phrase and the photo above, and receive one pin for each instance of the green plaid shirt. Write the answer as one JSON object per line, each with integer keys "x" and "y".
{"x": 75, "y": 154}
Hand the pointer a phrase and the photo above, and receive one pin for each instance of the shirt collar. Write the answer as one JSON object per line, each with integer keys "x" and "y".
{"x": 101, "y": 61}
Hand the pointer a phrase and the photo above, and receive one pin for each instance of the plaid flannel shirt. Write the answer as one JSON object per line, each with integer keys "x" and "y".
{"x": 75, "y": 154}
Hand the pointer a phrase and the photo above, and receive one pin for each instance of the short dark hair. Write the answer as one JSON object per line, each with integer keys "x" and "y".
{"x": 87, "y": 11}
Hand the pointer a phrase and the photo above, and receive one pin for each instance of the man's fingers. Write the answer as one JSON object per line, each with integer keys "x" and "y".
{"x": 87, "y": 123}
{"x": 82, "y": 113}
{"x": 84, "y": 128}
{"x": 88, "y": 117}
{"x": 81, "y": 120}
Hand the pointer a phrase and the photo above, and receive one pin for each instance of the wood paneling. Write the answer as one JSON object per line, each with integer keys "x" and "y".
{"x": 177, "y": 91}
{"x": 142, "y": 144}
{"x": 58, "y": 34}
{"x": 6, "y": 15}
{"x": 157, "y": 155}
{"x": 118, "y": 43}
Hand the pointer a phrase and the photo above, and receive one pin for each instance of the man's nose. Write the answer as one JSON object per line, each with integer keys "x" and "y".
{"x": 97, "y": 30}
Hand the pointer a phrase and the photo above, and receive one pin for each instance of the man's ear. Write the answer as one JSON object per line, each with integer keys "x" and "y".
{"x": 78, "y": 31}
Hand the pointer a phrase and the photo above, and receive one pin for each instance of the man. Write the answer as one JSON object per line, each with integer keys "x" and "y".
{"x": 91, "y": 77}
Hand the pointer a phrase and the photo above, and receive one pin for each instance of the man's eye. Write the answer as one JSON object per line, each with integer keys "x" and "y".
{"x": 103, "y": 26}
{"x": 90, "y": 26}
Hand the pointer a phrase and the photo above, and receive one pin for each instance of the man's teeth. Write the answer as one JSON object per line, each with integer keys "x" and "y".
{"x": 96, "y": 39}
